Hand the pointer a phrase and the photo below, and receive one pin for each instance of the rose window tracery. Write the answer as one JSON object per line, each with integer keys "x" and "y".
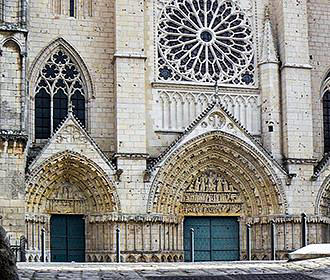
{"x": 205, "y": 41}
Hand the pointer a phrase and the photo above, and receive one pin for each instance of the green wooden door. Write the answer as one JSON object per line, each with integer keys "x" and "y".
{"x": 67, "y": 238}
{"x": 216, "y": 238}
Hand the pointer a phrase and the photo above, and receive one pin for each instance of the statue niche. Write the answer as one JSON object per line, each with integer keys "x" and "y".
{"x": 66, "y": 199}
{"x": 211, "y": 193}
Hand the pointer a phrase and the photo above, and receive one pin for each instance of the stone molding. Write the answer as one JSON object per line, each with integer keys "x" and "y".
{"x": 139, "y": 218}
{"x": 282, "y": 219}
{"x": 230, "y": 154}
{"x": 13, "y": 135}
{"x": 91, "y": 179}
{"x": 322, "y": 202}
{"x": 247, "y": 138}
{"x": 70, "y": 132}
{"x": 132, "y": 156}
{"x": 306, "y": 161}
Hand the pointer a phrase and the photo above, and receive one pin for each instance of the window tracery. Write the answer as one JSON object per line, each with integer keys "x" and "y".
{"x": 205, "y": 41}
{"x": 59, "y": 83}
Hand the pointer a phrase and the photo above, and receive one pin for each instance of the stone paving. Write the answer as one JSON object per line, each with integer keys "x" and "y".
{"x": 300, "y": 270}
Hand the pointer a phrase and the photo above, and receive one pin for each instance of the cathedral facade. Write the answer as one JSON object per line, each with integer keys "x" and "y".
{"x": 158, "y": 116}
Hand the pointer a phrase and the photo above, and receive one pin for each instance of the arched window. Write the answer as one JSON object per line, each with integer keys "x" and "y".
{"x": 60, "y": 108}
{"x": 78, "y": 102}
{"x": 72, "y": 10}
{"x": 59, "y": 83}
{"x": 326, "y": 121}
{"x": 326, "y": 112}
{"x": 2, "y": 10}
{"x": 205, "y": 41}
{"x": 42, "y": 115}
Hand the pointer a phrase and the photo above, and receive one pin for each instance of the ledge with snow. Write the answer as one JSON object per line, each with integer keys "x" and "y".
{"x": 311, "y": 252}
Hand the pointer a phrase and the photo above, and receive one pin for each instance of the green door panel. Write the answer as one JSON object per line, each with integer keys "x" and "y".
{"x": 67, "y": 238}
{"x": 225, "y": 255}
{"x": 216, "y": 238}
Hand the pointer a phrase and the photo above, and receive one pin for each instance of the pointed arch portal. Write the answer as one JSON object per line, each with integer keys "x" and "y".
{"x": 61, "y": 196}
{"x": 216, "y": 174}
{"x": 73, "y": 178}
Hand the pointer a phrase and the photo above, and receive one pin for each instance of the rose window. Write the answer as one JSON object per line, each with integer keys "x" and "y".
{"x": 205, "y": 41}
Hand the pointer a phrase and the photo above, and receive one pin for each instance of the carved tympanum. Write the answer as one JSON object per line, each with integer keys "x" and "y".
{"x": 210, "y": 192}
{"x": 66, "y": 199}
{"x": 325, "y": 203}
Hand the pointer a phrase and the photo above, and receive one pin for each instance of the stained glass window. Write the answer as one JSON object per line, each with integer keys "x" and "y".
{"x": 205, "y": 41}
{"x": 326, "y": 121}
{"x": 72, "y": 8}
{"x": 78, "y": 102}
{"x": 42, "y": 115}
{"x": 59, "y": 83}
{"x": 60, "y": 107}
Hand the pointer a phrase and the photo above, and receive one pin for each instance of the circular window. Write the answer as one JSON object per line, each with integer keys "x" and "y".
{"x": 206, "y": 36}
{"x": 205, "y": 41}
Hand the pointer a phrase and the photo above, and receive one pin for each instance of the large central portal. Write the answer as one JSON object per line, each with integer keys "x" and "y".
{"x": 67, "y": 238}
{"x": 216, "y": 238}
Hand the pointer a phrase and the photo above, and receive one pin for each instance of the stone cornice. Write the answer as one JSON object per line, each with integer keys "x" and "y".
{"x": 207, "y": 88}
{"x": 131, "y": 156}
{"x": 12, "y": 27}
{"x": 138, "y": 218}
{"x": 296, "y": 65}
{"x": 13, "y": 135}
{"x": 130, "y": 55}
{"x": 306, "y": 161}
{"x": 282, "y": 219}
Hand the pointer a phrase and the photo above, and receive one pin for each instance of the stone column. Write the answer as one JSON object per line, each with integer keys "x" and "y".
{"x": 130, "y": 77}
{"x": 292, "y": 29}
{"x": 130, "y": 103}
{"x": 295, "y": 78}
{"x": 270, "y": 89}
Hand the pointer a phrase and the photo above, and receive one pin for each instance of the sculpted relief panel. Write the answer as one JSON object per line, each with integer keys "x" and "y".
{"x": 325, "y": 203}
{"x": 66, "y": 199}
{"x": 210, "y": 192}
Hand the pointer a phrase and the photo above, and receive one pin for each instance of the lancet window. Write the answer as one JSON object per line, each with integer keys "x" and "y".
{"x": 205, "y": 41}
{"x": 59, "y": 84}
{"x": 326, "y": 113}
{"x": 2, "y": 10}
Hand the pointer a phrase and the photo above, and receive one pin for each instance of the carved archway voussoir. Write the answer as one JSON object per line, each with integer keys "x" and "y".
{"x": 322, "y": 204}
{"x": 234, "y": 159}
{"x": 83, "y": 175}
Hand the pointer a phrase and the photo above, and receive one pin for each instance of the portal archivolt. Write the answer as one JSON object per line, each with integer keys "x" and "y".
{"x": 323, "y": 199}
{"x": 70, "y": 184}
{"x": 216, "y": 174}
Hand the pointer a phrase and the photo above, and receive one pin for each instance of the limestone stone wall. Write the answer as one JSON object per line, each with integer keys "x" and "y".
{"x": 11, "y": 94}
{"x": 12, "y": 164}
{"x": 318, "y": 26}
{"x": 194, "y": 95}
{"x": 135, "y": 117}
{"x": 91, "y": 33}
{"x": 11, "y": 11}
